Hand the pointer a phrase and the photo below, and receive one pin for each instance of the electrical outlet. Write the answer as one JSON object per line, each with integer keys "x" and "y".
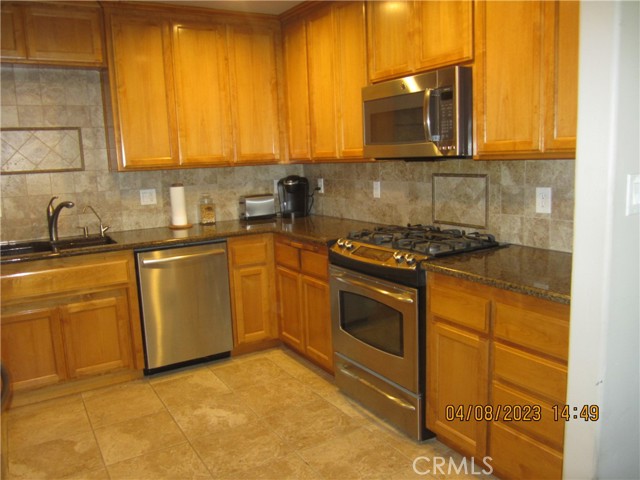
{"x": 321, "y": 185}
{"x": 275, "y": 187}
{"x": 148, "y": 196}
{"x": 632, "y": 206}
{"x": 376, "y": 189}
{"x": 543, "y": 200}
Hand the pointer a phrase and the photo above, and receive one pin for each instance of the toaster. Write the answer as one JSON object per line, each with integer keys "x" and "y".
{"x": 257, "y": 207}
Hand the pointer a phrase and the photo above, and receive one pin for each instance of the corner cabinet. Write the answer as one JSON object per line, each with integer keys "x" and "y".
{"x": 61, "y": 321}
{"x": 302, "y": 278}
{"x": 252, "y": 284}
{"x": 52, "y": 34}
{"x": 526, "y": 104}
{"x": 192, "y": 92}
{"x": 408, "y": 37}
{"x": 497, "y": 375}
{"x": 325, "y": 64}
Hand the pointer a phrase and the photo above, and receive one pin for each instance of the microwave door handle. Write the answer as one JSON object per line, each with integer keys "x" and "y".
{"x": 426, "y": 112}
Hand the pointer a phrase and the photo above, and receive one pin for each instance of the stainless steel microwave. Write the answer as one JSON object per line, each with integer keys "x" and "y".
{"x": 423, "y": 116}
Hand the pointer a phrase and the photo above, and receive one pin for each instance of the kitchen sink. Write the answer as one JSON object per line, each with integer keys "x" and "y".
{"x": 43, "y": 246}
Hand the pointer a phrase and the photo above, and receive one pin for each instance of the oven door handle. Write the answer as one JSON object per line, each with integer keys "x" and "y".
{"x": 398, "y": 401}
{"x": 382, "y": 291}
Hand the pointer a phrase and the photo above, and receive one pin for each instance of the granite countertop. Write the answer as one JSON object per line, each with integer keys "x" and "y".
{"x": 533, "y": 271}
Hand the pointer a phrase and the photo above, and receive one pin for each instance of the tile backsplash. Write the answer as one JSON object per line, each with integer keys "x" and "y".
{"x": 34, "y": 97}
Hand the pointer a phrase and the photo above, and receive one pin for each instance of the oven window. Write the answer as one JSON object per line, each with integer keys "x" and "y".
{"x": 372, "y": 322}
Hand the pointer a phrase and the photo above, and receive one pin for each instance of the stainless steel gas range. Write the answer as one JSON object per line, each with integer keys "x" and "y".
{"x": 378, "y": 311}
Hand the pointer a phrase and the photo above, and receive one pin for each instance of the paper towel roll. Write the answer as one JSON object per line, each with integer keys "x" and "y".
{"x": 178, "y": 205}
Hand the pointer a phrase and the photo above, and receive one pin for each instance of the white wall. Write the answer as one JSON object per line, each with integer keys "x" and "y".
{"x": 604, "y": 366}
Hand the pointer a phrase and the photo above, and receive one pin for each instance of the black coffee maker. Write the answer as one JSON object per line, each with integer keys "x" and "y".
{"x": 293, "y": 192}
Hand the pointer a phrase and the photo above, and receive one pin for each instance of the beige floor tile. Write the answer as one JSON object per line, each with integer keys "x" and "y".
{"x": 216, "y": 414}
{"x": 121, "y": 402}
{"x": 71, "y": 455}
{"x": 42, "y": 422}
{"x": 242, "y": 449}
{"x": 276, "y": 398}
{"x": 121, "y": 441}
{"x": 290, "y": 467}
{"x": 193, "y": 386}
{"x": 176, "y": 462}
{"x": 249, "y": 372}
{"x": 359, "y": 454}
{"x": 310, "y": 424}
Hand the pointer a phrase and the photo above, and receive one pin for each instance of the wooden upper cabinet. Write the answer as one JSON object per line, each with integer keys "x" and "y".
{"x": 322, "y": 92}
{"x": 52, "y": 34}
{"x": 408, "y": 37}
{"x": 253, "y": 72}
{"x": 561, "y": 78}
{"x": 294, "y": 39}
{"x": 325, "y": 61}
{"x": 142, "y": 92}
{"x": 525, "y": 104}
{"x": 202, "y": 94}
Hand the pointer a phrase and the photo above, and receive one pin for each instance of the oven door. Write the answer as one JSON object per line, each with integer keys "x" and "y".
{"x": 375, "y": 324}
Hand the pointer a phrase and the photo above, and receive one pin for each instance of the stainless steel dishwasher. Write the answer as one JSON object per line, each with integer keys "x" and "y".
{"x": 186, "y": 306}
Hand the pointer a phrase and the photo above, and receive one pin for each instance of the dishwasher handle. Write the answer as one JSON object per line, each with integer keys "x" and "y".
{"x": 179, "y": 258}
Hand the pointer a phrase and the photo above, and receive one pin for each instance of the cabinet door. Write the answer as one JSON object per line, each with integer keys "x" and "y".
{"x": 252, "y": 288}
{"x": 322, "y": 94}
{"x": 317, "y": 319}
{"x": 297, "y": 91}
{"x": 289, "y": 308}
{"x": 12, "y": 40}
{"x": 254, "y": 93}
{"x": 457, "y": 378}
{"x": 96, "y": 334}
{"x": 507, "y": 82}
{"x": 71, "y": 35}
{"x": 202, "y": 96}
{"x": 350, "y": 75}
{"x": 388, "y": 37}
{"x": 444, "y": 33}
{"x": 561, "y": 80}
{"x": 142, "y": 91}
{"x": 32, "y": 349}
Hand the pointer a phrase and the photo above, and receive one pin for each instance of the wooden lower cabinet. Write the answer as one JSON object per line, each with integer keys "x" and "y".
{"x": 500, "y": 359}
{"x": 251, "y": 278}
{"x": 302, "y": 280}
{"x": 62, "y": 321}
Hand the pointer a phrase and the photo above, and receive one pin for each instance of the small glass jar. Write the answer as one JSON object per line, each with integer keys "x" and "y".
{"x": 207, "y": 210}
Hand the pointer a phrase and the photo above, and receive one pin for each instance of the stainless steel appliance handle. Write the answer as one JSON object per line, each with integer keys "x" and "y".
{"x": 159, "y": 261}
{"x": 426, "y": 112}
{"x": 398, "y": 401}
{"x": 382, "y": 291}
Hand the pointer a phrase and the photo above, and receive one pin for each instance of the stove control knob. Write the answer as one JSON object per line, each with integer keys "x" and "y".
{"x": 340, "y": 242}
{"x": 398, "y": 257}
{"x": 410, "y": 259}
{"x": 348, "y": 244}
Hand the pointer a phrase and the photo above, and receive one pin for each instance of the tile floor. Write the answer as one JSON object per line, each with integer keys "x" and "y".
{"x": 268, "y": 415}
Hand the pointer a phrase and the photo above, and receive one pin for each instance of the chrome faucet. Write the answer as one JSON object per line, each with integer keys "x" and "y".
{"x": 103, "y": 228}
{"x": 52, "y": 217}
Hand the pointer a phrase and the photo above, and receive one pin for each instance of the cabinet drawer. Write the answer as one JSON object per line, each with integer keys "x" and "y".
{"x": 50, "y": 277}
{"x": 448, "y": 302}
{"x": 517, "y": 456}
{"x": 287, "y": 256}
{"x": 252, "y": 250}
{"x": 546, "y": 429}
{"x": 315, "y": 264}
{"x": 532, "y": 373}
{"x": 543, "y": 327}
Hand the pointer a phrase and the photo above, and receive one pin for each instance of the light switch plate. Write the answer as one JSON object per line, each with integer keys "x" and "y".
{"x": 633, "y": 195}
{"x": 543, "y": 200}
{"x": 376, "y": 189}
{"x": 148, "y": 196}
